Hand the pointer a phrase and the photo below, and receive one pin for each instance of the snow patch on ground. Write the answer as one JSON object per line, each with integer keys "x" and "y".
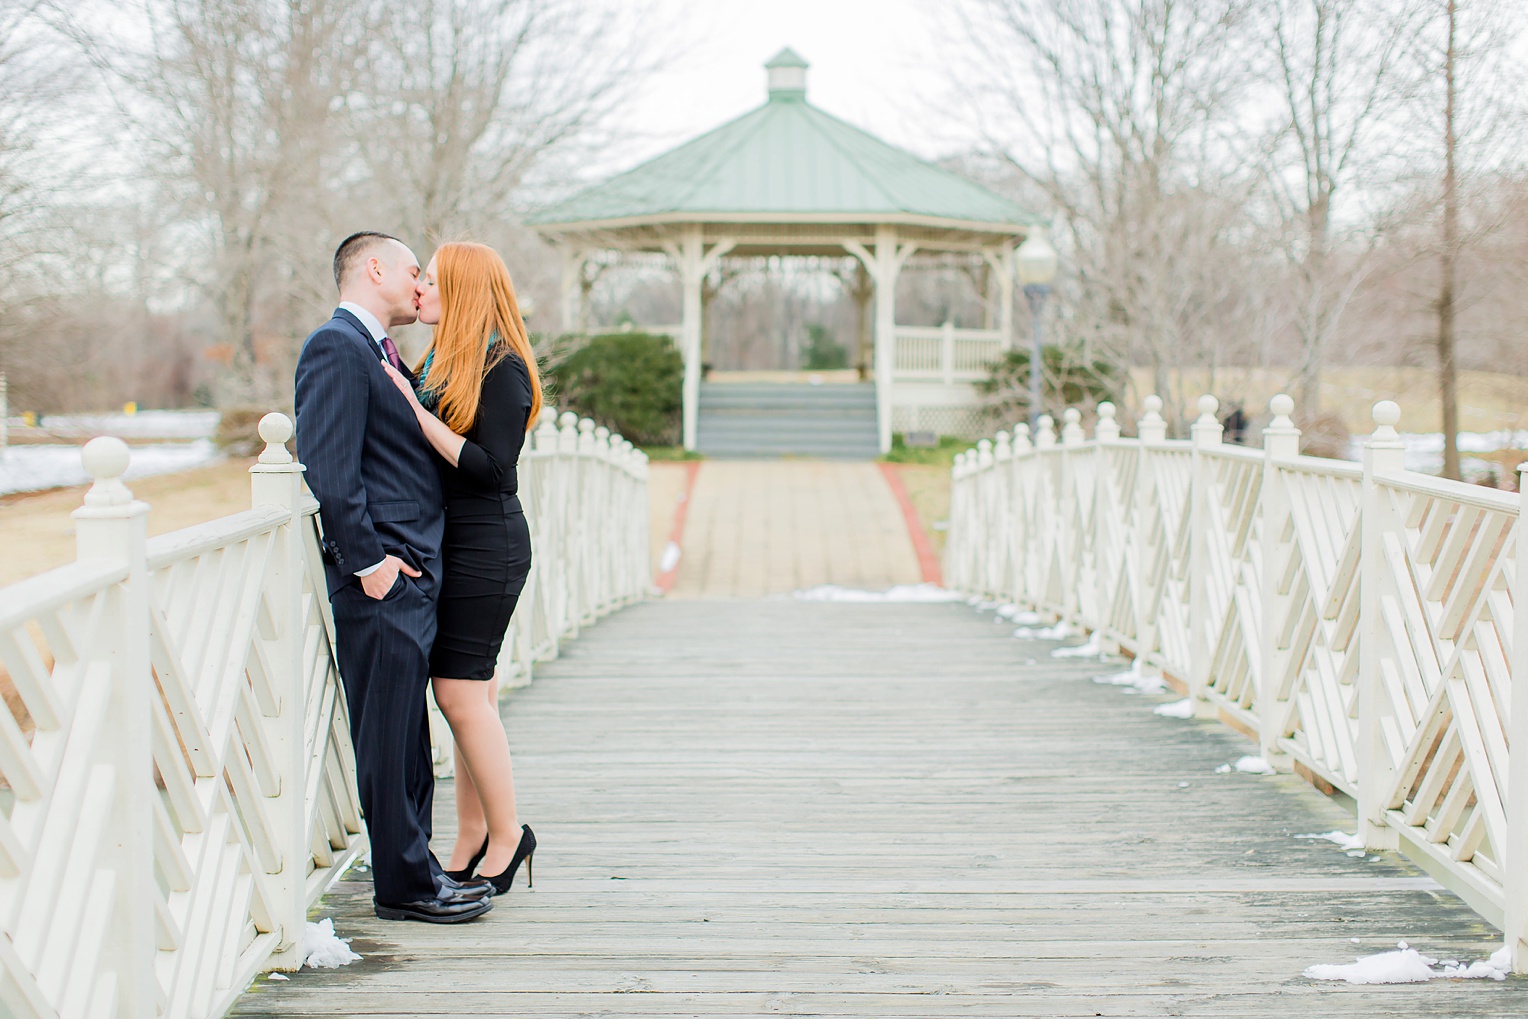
{"x": 900, "y": 593}
{"x": 37, "y": 468}
{"x": 1014, "y": 614}
{"x": 1406, "y": 965}
{"x": 1092, "y": 649}
{"x": 1252, "y": 766}
{"x": 670, "y": 557}
{"x": 1177, "y": 709}
{"x": 1061, "y": 631}
{"x": 1136, "y": 679}
{"x": 1340, "y": 839}
{"x": 146, "y": 424}
{"x": 323, "y": 949}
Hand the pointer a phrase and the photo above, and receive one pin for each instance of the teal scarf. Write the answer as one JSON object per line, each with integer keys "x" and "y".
{"x": 430, "y": 398}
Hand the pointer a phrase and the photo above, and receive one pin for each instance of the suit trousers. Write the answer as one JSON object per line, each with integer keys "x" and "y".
{"x": 383, "y": 652}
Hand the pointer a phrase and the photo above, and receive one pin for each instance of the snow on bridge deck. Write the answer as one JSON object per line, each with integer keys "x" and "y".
{"x": 779, "y": 807}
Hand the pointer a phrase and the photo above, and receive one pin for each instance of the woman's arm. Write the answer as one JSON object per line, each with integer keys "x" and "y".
{"x": 446, "y": 442}
{"x": 500, "y": 432}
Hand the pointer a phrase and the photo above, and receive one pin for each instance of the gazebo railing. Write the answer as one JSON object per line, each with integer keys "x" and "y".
{"x": 1356, "y": 620}
{"x": 944, "y": 353}
{"x": 178, "y": 781}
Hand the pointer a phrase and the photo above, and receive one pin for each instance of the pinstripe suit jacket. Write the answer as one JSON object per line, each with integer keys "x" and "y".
{"x": 369, "y": 464}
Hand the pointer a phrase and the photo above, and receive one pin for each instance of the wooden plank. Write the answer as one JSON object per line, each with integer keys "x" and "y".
{"x": 760, "y": 807}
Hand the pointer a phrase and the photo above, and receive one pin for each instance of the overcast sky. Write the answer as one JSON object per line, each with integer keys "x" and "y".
{"x": 873, "y": 63}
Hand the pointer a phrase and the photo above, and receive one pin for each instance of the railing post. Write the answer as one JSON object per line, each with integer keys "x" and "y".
{"x": 1515, "y": 855}
{"x": 1281, "y": 443}
{"x": 114, "y": 525}
{"x": 947, "y": 352}
{"x": 1151, "y": 429}
{"x": 1205, "y": 433}
{"x": 276, "y": 480}
{"x": 1384, "y": 453}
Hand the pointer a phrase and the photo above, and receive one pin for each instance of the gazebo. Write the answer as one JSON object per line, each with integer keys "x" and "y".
{"x": 788, "y": 179}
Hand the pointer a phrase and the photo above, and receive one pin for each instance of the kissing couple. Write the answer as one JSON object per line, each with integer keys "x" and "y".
{"x": 425, "y": 550}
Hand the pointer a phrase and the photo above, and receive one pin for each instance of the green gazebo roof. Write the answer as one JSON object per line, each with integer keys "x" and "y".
{"x": 786, "y": 160}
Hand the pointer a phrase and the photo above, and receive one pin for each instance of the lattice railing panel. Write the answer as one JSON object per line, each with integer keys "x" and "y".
{"x": 180, "y": 783}
{"x": 1357, "y": 621}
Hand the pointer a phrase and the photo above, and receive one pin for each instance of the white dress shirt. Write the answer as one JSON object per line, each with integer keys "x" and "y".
{"x": 374, "y": 328}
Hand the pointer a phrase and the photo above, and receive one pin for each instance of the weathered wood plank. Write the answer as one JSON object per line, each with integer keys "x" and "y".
{"x": 771, "y": 807}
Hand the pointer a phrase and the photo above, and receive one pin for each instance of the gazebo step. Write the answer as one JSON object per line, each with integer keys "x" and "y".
{"x": 785, "y": 396}
{"x": 765, "y": 419}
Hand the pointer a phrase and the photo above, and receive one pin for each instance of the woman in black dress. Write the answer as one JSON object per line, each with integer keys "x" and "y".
{"x": 478, "y": 394}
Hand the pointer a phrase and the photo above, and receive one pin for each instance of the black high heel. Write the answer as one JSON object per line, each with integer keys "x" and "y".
{"x": 526, "y": 851}
{"x": 465, "y": 874}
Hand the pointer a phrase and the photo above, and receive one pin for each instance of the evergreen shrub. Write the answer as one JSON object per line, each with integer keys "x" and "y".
{"x": 631, "y": 383}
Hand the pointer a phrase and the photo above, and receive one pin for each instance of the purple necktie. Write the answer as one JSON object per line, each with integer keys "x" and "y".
{"x": 391, "y": 350}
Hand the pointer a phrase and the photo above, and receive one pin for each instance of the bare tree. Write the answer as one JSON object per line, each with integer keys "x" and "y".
{"x": 472, "y": 96}
{"x": 1122, "y": 113}
{"x": 1470, "y": 91}
{"x": 1336, "y": 70}
{"x": 235, "y": 106}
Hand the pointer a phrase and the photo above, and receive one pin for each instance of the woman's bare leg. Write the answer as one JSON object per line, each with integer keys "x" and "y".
{"x": 471, "y": 826}
{"x": 472, "y": 708}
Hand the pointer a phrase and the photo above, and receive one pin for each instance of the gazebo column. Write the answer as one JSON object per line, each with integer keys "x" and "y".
{"x": 1001, "y": 261}
{"x": 885, "y": 266}
{"x": 694, "y": 261}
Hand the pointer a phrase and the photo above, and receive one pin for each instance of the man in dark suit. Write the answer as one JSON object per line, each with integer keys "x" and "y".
{"x": 374, "y": 475}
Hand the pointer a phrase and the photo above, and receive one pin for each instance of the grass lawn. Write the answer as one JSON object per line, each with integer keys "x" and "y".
{"x": 928, "y": 486}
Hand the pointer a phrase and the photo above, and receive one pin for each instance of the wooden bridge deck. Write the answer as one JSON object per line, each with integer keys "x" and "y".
{"x": 784, "y": 808}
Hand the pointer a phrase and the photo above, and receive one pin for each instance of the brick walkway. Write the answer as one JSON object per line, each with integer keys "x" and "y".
{"x": 766, "y": 527}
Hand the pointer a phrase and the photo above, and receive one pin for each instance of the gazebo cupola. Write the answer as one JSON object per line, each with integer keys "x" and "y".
{"x": 787, "y": 76}
{"x": 788, "y": 179}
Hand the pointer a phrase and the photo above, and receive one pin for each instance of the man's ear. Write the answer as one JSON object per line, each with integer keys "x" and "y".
{"x": 374, "y": 269}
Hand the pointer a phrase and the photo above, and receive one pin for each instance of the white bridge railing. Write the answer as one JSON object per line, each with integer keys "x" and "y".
{"x": 178, "y": 783}
{"x": 1356, "y": 620}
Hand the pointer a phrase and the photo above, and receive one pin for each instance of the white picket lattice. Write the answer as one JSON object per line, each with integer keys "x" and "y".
{"x": 1357, "y": 620}
{"x": 179, "y": 783}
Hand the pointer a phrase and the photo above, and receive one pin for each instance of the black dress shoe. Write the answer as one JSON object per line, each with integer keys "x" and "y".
{"x": 436, "y": 910}
{"x": 473, "y": 888}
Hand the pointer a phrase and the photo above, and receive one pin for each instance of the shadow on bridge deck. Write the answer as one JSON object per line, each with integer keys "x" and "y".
{"x": 774, "y": 807}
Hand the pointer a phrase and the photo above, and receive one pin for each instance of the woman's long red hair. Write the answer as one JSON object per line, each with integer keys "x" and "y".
{"x": 477, "y": 301}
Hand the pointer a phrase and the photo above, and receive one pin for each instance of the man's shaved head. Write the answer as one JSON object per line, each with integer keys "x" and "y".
{"x": 354, "y": 250}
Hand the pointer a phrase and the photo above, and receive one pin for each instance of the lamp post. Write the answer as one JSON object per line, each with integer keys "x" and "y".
{"x": 1037, "y": 269}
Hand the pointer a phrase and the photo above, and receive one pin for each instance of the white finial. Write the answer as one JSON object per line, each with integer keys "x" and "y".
{"x": 1107, "y": 429}
{"x": 1207, "y": 429}
{"x": 1151, "y": 427}
{"x": 105, "y": 459}
{"x": 1281, "y": 439}
{"x": 567, "y": 419}
{"x": 1387, "y": 414}
{"x": 1071, "y": 430}
{"x": 1021, "y": 440}
{"x": 275, "y": 429}
{"x": 1045, "y": 433}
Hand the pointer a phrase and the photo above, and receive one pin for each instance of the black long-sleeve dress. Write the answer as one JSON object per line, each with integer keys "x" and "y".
{"x": 487, "y": 548}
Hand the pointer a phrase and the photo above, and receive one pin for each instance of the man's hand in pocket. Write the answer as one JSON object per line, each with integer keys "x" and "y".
{"x": 378, "y": 582}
